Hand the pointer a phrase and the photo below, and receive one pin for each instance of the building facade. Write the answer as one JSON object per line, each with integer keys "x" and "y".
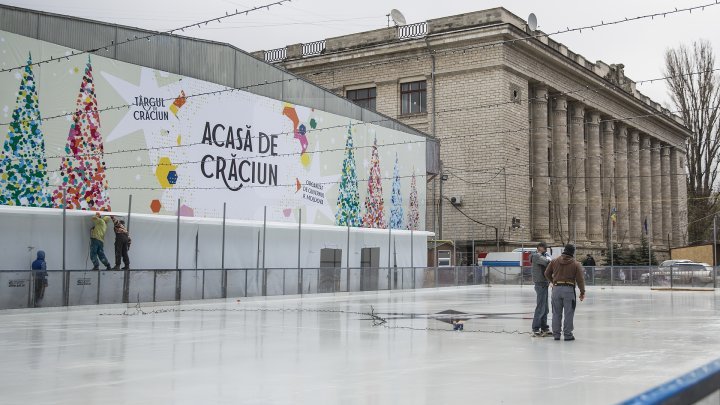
{"x": 537, "y": 143}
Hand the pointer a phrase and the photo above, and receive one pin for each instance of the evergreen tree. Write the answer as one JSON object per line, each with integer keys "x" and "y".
{"x": 396, "y": 202}
{"x": 414, "y": 206}
{"x": 82, "y": 170}
{"x": 374, "y": 205}
{"x": 348, "y": 202}
{"x": 23, "y": 165}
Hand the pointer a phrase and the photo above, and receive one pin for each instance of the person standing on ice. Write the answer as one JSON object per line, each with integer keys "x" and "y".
{"x": 540, "y": 260}
{"x": 97, "y": 241}
{"x": 565, "y": 273}
{"x": 39, "y": 271}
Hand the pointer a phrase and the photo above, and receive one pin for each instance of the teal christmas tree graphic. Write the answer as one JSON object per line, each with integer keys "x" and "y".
{"x": 23, "y": 165}
{"x": 348, "y": 202}
{"x": 414, "y": 206}
{"x": 374, "y": 206}
{"x": 82, "y": 171}
{"x": 396, "y": 202}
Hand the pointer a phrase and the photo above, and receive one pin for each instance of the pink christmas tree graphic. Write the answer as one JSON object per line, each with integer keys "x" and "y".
{"x": 82, "y": 170}
{"x": 374, "y": 206}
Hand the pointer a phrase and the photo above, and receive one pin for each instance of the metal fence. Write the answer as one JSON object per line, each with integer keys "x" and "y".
{"x": 87, "y": 287}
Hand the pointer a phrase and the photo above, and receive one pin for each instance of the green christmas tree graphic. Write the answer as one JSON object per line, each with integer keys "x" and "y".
{"x": 82, "y": 170}
{"x": 348, "y": 202}
{"x": 374, "y": 206}
{"x": 23, "y": 165}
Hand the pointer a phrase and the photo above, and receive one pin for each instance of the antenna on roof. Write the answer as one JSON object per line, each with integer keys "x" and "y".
{"x": 397, "y": 17}
{"x": 532, "y": 22}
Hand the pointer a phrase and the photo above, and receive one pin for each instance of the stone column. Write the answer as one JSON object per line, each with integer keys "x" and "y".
{"x": 657, "y": 219}
{"x": 645, "y": 186}
{"x": 592, "y": 171}
{"x": 675, "y": 204}
{"x": 621, "y": 185}
{"x": 559, "y": 182}
{"x": 682, "y": 197}
{"x": 608, "y": 172}
{"x": 540, "y": 188}
{"x": 576, "y": 186}
{"x": 666, "y": 194}
{"x": 635, "y": 218}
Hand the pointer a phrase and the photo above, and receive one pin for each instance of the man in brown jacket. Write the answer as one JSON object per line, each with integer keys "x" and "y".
{"x": 564, "y": 273}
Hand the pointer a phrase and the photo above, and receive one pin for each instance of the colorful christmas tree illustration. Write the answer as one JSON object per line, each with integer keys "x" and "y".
{"x": 23, "y": 166}
{"x": 348, "y": 202}
{"x": 414, "y": 207}
{"x": 82, "y": 170}
{"x": 374, "y": 206}
{"x": 396, "y": 203}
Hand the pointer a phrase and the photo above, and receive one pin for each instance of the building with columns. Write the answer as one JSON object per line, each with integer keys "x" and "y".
{"x": 528, "y": 130}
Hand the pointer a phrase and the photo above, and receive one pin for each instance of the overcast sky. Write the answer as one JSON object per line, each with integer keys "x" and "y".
{"x": 638, "y": 45}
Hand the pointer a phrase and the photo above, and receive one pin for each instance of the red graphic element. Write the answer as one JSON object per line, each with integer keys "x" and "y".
{"x": 155, "y": 206}
{"x": 297, "y": 185}
{"x": 298, "y": 130}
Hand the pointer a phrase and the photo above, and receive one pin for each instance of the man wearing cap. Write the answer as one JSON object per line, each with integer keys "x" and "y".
{"x": 565, "y": 273}
{"x": 540, "y": 260}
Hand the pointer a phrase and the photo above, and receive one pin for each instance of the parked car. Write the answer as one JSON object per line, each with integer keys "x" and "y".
{"x": 685, "y": 272}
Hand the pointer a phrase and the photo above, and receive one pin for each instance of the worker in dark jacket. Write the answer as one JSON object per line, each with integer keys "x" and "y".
{"x": 39, "y": 273}
{"x": 565, "y": 273}
{"x": 540, "y": 260}
{"x": 122, "y": 243}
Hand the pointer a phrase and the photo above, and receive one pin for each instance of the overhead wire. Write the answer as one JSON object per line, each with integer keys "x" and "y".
{"x": 147, "y": 37}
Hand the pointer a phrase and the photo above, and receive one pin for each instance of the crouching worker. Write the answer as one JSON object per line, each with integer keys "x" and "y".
{"x": 565, "y": 273}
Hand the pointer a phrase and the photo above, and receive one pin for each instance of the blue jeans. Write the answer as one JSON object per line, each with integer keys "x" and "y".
{"x": 541, "y": 307}
{"x": 97, "y": 250}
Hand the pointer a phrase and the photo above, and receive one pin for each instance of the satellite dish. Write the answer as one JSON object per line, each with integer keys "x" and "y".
{"x": 532, "y": 22}
{"x": 397, "y": 17}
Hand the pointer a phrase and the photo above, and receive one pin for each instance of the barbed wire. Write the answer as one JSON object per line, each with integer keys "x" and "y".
{"x": 148, "y": 36}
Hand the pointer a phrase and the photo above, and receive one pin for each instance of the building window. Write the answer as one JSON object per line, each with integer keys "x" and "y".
{"x": 365, "y": 98}
{"x": 413, "y": 97}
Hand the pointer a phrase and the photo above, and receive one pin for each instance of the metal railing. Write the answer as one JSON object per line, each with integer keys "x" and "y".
{"x": 275, "y": 55}
{"x": 412, "y": 30}
{"x": 313, "y": 48}
{"x": 87, "y": 287}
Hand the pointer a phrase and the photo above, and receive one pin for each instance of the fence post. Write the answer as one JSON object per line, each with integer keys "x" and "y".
{"x": 222, "y": 259}
{"x": 178, "y": 278}
{"x": 65, "y": 297}
{"x": 347, "y": 259}
{"x": 389, "y": 269}
{"x": 299, "y": 250}
{"x": 671, "y": 276}
{"x": 264, "y": 270}
{"x": 126, "y": 272}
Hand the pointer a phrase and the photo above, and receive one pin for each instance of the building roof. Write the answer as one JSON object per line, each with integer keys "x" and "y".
{"x": 188, "y": 57}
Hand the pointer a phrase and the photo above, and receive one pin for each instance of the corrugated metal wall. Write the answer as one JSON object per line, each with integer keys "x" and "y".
{"x": 199, "y": 59}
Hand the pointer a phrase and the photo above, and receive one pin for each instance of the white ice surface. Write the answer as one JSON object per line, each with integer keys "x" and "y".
{"x": 628, "y": 340}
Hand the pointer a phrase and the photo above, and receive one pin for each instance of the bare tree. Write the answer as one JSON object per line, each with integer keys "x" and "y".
{"x": 695, "y": 92}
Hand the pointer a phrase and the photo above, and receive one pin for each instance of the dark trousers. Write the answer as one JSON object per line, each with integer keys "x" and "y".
{"x": 122, "y": 245}
{"x": 40, "y": 284}
{"x": 541, "y": 307}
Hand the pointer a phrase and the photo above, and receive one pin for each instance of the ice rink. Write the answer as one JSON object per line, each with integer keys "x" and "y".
{"x": 229, "y": 352}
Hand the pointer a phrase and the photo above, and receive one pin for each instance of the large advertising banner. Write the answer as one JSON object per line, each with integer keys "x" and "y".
{"x": 87, "y": 132}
